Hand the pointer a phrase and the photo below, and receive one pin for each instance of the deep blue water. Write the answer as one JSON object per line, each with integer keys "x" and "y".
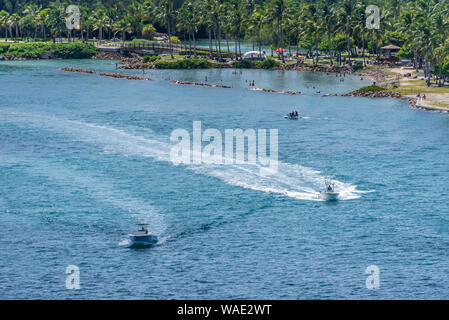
{"x": 83, "y": 158}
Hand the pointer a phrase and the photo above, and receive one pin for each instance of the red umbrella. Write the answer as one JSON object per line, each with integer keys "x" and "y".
{"x": 280, "y": 50}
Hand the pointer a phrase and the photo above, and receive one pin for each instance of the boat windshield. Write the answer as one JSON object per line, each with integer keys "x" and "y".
{"x": 142, "y": 228}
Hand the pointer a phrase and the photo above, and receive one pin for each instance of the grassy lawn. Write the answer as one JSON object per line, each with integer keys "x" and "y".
{"x": 391, "y": 73}
{"x": 168, "y": 57}
{"x": 419, "y": 86}
{"x": 438, "y": 104}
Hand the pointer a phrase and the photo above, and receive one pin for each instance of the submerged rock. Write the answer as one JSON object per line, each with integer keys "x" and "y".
{"x": 123, "y": 76}
{"x": 77, "y": 70}
{"x": 200, "y": 84}
{"x": 277, "y": 91}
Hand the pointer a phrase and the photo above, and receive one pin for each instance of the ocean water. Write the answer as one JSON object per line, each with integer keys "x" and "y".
{"x": 83, "y": 158}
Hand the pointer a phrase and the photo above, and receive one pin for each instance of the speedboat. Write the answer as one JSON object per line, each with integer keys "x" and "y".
{"x": 292, "y": 116}
{"x": 142, "y": 238}
{"x": 329, "y": 193}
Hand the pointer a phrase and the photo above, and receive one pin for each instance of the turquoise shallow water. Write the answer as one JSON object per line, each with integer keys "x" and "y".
{"x": 245, "y": 46}
{"x": 83, "y": 157}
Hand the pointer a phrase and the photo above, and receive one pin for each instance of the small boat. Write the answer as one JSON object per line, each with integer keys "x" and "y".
{"x": 329, "y": 194}
{"x": 294, "y": 115}
{"x": 142, "y": 238}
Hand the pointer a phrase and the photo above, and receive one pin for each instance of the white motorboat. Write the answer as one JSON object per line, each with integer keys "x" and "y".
{"x": 329, "y": 194}
{"x": 142, "y": 238}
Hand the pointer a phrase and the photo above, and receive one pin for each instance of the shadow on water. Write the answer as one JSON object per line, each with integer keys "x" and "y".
{"x": 331, "y": 203}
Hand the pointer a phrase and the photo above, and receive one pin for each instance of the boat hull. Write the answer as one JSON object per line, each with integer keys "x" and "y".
{"x": 329, "y": 196}
{"x": 142, "y": 241}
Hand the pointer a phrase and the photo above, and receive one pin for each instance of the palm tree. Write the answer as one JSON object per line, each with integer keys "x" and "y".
{"x": 204, "y": 9}
{"x": 188, "y": 21}
{"x": 228, "y": 27}
{"x": 329, "y": 21}
{"x": 313, "y": 28}
{"x": 43, "y": 20}
{"x": 256, "y": 23}
{"x": 13, "y": 21}
{"x": 86, "y": 22}
{"x": 248, "y": 7}
{"x": 439, "y": 23}
{"x": 360, "y": 29}
{"x": 124, "y": 26}
{"x": 101, "y": 20}
{"x": 216, "y": 16}
{"x": 164, "y": 13}
{"x": 236, "y": 21}
{"x": 347, "y": 19}
{"x": 277, "y": 11}
{"x": 4, "y": 21}
{"x": 33, "y": 10}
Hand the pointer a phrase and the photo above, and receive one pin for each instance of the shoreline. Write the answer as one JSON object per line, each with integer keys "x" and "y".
{"x": 377, "y": 94}
{"x": 410, "y": 84}
{"x": 432, "y": 108}
{"x": 379, "y": 75}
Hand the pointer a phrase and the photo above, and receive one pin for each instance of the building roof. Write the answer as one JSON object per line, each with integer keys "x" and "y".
{"x": 391, "y": 47}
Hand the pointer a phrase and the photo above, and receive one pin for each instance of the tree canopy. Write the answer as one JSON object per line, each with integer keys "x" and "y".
{"x": 419, "y": 27}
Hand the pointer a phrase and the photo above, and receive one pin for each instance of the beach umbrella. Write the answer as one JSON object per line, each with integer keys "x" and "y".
{"x": 280, "y": 50}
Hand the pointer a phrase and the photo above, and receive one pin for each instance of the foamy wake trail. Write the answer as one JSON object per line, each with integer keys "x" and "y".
{"x": 291, "y": 180}
{"x": 124, "y": 243}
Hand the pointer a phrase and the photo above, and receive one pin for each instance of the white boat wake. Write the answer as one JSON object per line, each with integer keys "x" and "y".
{"x": 291, "y": 180}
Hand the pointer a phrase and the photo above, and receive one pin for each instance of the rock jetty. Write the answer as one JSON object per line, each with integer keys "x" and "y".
{"x": 134, "y": 62}
{"x": 108, "y": 56}
{"x": 200, "y": 84}
{"x": 327, "y": 69}
{"x": 77, "y": 70}
{"x": 373, "y": 94}
{"x": 277, "y": 91}
{"x": 376, "y": 94}
{"x": 123, "y": 76}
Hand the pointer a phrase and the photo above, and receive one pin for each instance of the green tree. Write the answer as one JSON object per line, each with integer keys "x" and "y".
{"x": 148, "y": 32}
{"x": 164, "y": 13}
{"x": 124, "y": 26}
{"x": 329, "y": 21}
{"x": 33, "y": 11}
{"x": 4, "y": 22}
